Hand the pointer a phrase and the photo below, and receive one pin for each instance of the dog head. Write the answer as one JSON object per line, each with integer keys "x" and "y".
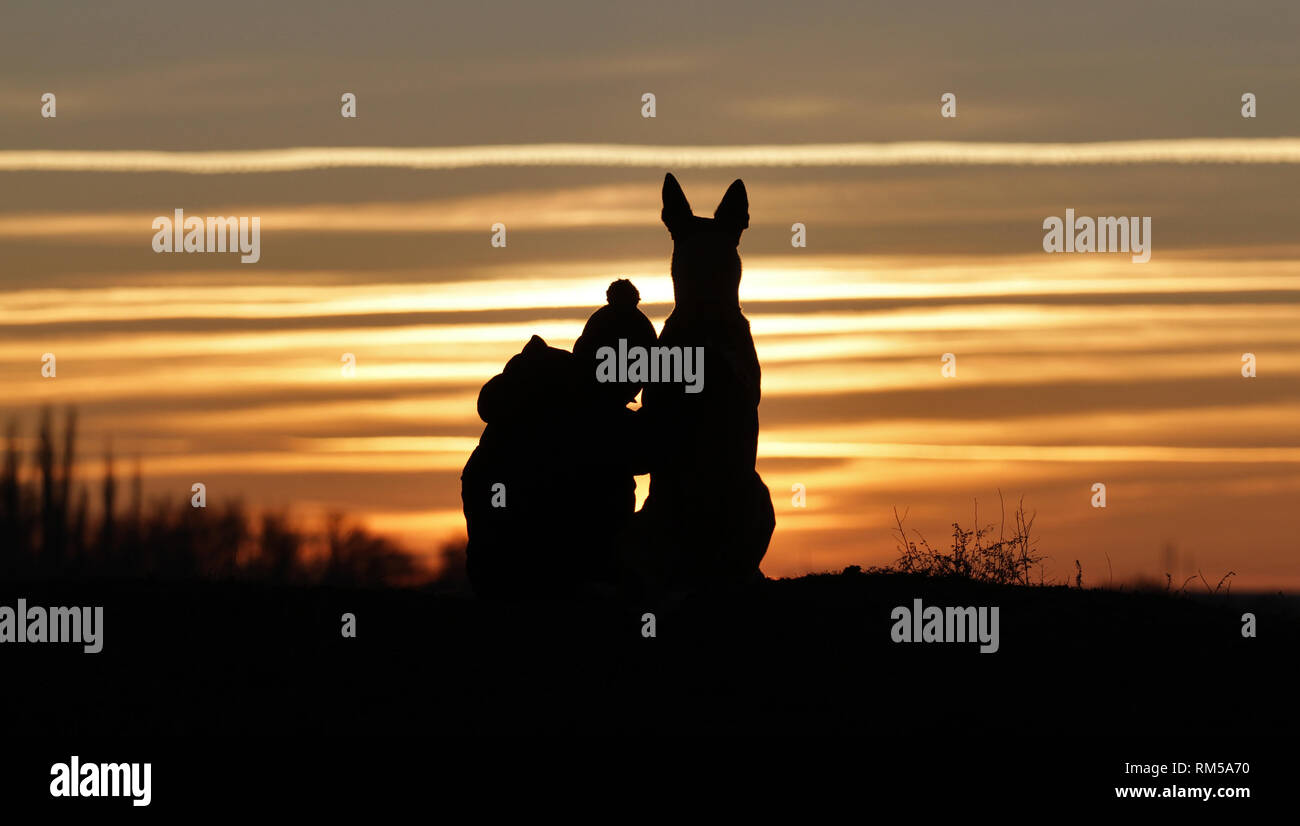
{"x": 536, "y": 385}
{"x": 706, "y": 261}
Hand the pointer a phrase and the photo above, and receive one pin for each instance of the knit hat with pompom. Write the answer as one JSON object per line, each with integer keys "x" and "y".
{"x": 618, "y": 319}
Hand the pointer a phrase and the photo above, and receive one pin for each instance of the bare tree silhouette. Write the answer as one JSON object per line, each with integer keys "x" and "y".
{"x": 47, "y": 529}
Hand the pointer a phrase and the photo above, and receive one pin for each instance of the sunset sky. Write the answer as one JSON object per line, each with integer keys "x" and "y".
{"x": 1072, "y": 369}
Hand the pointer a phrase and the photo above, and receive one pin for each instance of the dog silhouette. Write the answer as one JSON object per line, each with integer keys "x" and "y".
{"x": 708, "y": 517}
{"x": 514, "y": 485}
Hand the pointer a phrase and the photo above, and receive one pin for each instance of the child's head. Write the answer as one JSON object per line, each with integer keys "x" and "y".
{"x": 618, "y": 319}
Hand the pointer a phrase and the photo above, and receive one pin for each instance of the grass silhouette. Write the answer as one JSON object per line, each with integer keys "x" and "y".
{"x": 974, "y": 554}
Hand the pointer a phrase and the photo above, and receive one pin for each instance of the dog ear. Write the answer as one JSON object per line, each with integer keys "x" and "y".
{"x": 534, "y": 344}
{"x": 677, "y": 211}
{"x": 733, "y": 209}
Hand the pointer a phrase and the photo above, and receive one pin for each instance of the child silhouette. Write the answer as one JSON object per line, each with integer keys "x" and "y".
{"x": 549, "y": 492}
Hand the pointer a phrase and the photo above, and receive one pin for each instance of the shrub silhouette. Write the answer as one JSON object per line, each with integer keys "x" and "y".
{"x": 1006, "y": 561}
{"x": 47, "y": 531}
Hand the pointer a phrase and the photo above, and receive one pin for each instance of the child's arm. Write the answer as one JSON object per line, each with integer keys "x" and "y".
{"x": 634, "y": 434}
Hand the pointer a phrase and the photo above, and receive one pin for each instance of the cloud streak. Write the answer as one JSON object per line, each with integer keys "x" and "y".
{"x": 911, "y": 153}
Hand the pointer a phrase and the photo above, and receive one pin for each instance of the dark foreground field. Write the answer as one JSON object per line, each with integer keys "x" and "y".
{"x": 811, "y": 655}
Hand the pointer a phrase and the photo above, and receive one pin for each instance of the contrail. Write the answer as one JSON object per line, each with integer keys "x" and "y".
{"x": 929, "y": 153}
